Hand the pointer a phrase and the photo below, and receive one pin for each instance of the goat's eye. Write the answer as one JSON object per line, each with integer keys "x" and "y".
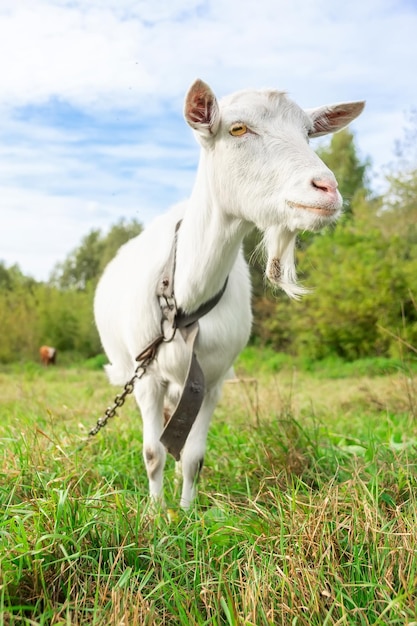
{"x": 238, "y": 129}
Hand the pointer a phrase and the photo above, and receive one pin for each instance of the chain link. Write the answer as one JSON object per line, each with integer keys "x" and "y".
{"x": 144, "y": 359}
{"x": 118, "y": 402}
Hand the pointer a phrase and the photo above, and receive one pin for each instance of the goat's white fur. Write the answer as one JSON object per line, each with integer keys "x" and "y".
{"x": 267, "y": 177}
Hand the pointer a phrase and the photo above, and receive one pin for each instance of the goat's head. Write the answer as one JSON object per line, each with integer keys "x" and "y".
{"x": 262, "y": 170}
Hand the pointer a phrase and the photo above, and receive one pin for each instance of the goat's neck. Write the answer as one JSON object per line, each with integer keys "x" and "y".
{"x": 208, "y": 244}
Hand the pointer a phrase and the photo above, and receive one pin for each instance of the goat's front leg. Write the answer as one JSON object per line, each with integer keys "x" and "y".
{"x": 149, "y": 394}
{"x": 192, "y": 456}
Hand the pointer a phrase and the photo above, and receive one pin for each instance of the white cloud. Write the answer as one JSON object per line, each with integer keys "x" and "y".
{"x": 38, "y": 229}
{"x": 113, "y": 54}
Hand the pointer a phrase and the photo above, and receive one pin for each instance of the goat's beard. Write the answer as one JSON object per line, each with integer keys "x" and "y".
{"x": 279, "y": 243}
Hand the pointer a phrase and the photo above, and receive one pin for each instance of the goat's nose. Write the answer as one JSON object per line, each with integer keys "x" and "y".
{"x": 328, "y": 185}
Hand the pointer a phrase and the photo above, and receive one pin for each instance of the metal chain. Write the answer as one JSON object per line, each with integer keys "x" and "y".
{"x": 118, "y": 402}
{"x": 144, "y": 359}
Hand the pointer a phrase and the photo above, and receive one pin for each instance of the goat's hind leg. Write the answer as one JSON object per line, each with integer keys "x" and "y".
{"x": 149, "y": 394}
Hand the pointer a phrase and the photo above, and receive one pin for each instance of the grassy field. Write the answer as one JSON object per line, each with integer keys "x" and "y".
{"x": 306, "y": 515}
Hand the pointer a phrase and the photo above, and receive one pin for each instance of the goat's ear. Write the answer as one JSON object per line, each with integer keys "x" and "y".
{"x": 201, "y": 110}
{"x": 333, "y": 117}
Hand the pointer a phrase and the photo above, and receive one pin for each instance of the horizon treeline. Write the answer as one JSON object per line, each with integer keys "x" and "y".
{"x": 362, "y": 273}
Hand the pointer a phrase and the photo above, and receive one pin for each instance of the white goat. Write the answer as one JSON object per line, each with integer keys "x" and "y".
{"x": 256, "y": 170}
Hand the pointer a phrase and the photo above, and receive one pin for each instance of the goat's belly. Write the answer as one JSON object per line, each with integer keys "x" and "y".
{"x": 223, "y": 335}
{"x": 217, "y": 357}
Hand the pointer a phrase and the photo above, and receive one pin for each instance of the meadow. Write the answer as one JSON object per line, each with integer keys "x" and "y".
{"x": 306, "y": 514}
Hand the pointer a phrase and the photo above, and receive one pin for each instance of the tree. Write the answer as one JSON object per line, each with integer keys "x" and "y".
{"x": 400, "y": 205}
{"x": 86, "y": 263}
{"x": 11, "y": 277}
{"x": 360, "y": 290}
{"x": 399, "y": 208}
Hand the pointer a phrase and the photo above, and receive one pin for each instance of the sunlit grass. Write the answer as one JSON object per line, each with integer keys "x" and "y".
{"x": 306, "y": 513}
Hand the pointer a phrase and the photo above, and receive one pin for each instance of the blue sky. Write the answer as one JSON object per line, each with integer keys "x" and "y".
{"x": 91, "y": 126}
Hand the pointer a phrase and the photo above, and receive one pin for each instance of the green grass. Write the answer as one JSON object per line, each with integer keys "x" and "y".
{"x": 307, "y": 512}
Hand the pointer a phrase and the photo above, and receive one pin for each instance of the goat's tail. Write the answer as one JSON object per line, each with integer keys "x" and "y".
{"x": 118, "y": 374}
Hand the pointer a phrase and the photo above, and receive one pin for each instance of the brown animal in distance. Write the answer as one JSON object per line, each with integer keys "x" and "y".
{"x": 48, "y": 355}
